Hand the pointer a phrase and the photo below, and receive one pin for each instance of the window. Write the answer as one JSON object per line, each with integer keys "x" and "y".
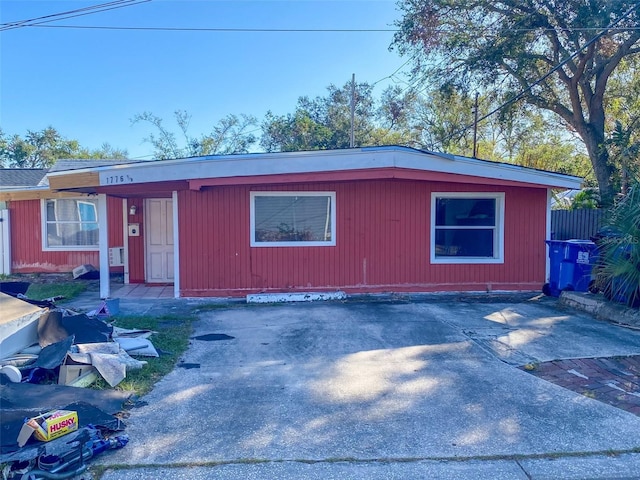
{"x": 70, "y": 224}
{"x": 467, "y": 227}
{"x": 281, "y": 219}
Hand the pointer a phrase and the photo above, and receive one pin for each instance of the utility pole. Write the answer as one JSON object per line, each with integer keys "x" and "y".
{"x": 475, "y": 128}
{"x": 353, "y": 110}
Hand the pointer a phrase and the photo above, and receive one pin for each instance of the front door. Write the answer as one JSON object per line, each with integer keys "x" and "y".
{"x": 159, "y": 240}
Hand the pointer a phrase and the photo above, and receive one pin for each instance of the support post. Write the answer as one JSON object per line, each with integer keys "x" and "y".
{"x": 103, "y": 245}
{"x": 176, "y": 247}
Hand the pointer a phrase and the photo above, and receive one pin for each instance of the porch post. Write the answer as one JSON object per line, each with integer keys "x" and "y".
{"x": 176, "y": 246}
{"x": 547, "y": 273}
{"x": 103, "y": 244}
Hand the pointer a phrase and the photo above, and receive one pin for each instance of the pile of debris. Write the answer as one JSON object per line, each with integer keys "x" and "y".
{"x": 50, "y": 427}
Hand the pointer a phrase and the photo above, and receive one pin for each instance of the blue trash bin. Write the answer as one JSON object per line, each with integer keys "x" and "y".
{"x": 556, "y": 256}
{"x": 570, "y": 265}
{"x": 575, "y": 269}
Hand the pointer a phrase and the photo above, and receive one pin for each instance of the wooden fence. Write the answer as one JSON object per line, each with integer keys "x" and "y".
{"x": 581, "y": 224}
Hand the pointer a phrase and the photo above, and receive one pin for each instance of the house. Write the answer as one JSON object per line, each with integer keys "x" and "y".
{"x": 373, "y": 219}
{"x": 21, "y": 177}
{"x": 44, "y": 231}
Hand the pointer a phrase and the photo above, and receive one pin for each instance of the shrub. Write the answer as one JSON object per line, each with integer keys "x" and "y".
{"x": 618, "y": 271}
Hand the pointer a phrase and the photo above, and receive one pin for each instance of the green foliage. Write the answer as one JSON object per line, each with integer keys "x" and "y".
{"x": 618, "y": 272}
{"x": 68, "y": 290}
{"x": 325, "y": 122}
{"x": 625, "y": 151}
{"x": 510, "y": 45}
{"x": 585, "y": 199}
{"x": 41, "y": 149}
{"x": 232, "y": 134}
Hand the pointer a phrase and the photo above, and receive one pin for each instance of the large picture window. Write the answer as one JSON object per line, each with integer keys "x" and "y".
{"x": 293, "y": 219}
{"x": 467, "y": 227}
{"x": 70, "y": 224}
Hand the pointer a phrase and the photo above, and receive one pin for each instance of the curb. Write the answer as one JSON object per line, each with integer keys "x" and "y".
{"x": 600, "y": 307}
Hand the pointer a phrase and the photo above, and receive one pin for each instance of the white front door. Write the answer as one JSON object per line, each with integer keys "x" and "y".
{"x": 158, "y": 235}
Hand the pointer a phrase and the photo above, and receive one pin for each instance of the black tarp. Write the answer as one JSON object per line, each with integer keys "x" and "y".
{"x": 54, "y": 327}
{"x": 21, "y": 400}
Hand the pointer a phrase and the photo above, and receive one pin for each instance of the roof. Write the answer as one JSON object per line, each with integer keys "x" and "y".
{"x": 66, "y": 165}
{"x": 21, "y": 177}
{"x": 32, "y": 183}
{"x": 318, "y": 165}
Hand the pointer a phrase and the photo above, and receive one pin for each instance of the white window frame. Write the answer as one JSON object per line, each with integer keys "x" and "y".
{"x": 330, "y": 243}
{"x": 63, "y": 248}
{"x": 498, "y": 233}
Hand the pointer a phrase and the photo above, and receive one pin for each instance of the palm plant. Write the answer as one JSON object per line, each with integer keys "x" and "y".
{"x": 618, "y": 271}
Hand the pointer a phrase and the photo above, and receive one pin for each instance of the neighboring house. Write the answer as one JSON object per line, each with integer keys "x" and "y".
{"x": 374, "y": 219}
{"x": 47, "y": 231}
{"x": 21, "y": 177}
{"x": 13, "y": 178}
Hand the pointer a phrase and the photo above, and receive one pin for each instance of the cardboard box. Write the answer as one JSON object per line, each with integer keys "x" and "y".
{"x": 76, "y": 370}
{"x": 86, "y": 272}
{"x": 77, "y": 375}
{"x": 48, "y": 426}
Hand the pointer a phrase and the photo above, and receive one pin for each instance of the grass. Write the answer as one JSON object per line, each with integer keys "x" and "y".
{"x": 68, "y": 290}
{"x": 171, "y": 340}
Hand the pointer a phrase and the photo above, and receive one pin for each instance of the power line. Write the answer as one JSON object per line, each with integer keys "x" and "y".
{"x": 79, "y": 12}
{"x": 487, "y": 34}
{"x": 216, "y": 29}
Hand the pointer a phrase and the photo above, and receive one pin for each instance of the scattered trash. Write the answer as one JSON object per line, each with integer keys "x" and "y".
{"x": 55, "y": 325}
{"x": 18, "y": 324}
{"x": 46, "y": 354}
{"x": 12, "y": 372}
{"x": 137, "y": 346}
{"x": 108, "y": 307}
{"x": 85, "y": 272}
{"x": 69, "y": 462}
{"x": 53, "y": 355}
{"x": 48, "y": 426}
{"x": 14, "y": 288}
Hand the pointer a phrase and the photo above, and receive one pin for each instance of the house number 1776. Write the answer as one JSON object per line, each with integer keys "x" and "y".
{"x": 113, "y": 179}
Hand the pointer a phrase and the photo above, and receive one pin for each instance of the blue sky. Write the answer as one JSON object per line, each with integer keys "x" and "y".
{"x": 89, "y": 83}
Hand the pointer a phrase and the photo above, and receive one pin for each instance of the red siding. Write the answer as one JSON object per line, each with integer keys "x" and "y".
{"x": 26, "y": 240}
{"x": 136, "y": 244}
{"x": 382, "y": 242}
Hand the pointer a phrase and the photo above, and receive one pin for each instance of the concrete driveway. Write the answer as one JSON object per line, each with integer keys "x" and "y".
{"x": 426, "y": 389}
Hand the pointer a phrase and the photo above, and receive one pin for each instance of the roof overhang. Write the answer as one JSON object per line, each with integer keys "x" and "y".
{"x": 314, "y": 165}
{"x": 33, "y": 193}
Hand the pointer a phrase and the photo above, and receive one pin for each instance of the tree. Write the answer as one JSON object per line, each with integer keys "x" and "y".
{"x": 625, "y": 150}
{"x": 232, "y": 134}
{"x": 558, "y": 53}
{"x": 324, "y": 122}
{"x": 41, "y": 149}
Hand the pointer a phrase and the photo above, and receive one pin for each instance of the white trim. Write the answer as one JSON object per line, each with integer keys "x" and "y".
{"x": 176, "y": 246}
{"x": 226, "y": 166}
{"x": 103, "y": 242}
{"x": 290, "y": 193}
{"x": 5, "y": 228}
{"x": 125, "y": 239}
{"x": 295, "y": 297}
{"x": 498, "y": 237}
{"x": 63, "y": 248}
